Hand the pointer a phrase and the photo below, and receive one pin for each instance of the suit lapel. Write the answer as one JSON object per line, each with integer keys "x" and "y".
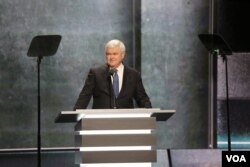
{"x": 107, "y": 82}
{"x": 125, "y": 82}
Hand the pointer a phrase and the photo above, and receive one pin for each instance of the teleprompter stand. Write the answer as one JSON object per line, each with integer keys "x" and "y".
{"x": 42, "y": 46}
{"x": 216, "y": 45}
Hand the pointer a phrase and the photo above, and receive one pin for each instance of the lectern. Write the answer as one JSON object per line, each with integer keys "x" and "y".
{"x": 110, "y": 136}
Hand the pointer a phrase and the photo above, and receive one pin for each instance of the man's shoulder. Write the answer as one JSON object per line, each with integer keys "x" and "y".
{"x": 131, "y": 70}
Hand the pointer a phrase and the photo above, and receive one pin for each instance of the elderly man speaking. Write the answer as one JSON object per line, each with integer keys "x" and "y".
{"x": 113, "y": 85}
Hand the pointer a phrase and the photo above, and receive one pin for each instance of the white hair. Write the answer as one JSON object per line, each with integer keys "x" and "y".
{"x": 116, "y": 43}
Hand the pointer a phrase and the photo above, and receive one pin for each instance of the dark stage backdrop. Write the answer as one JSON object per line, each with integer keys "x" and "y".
{"x": 239, "y": 101}
{"x": 174, "y": 64}
{"x": 230, "y": 22}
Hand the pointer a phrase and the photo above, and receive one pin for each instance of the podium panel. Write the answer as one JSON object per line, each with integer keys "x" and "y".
{"x": 115, "y": 135}
{"x": 115, "y": 156}
{"x": 115, "y": 123}
{"x": 115, "y": 140}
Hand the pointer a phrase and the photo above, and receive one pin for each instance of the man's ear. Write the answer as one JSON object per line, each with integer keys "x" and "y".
{"x": 123, "y": 55}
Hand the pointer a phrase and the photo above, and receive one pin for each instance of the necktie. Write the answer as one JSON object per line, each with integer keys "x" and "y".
{"x": 116, "y": 83}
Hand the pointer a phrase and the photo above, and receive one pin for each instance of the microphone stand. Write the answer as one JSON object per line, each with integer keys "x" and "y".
{"x": 111, "y": 72}
{"x": 114, "y": 106}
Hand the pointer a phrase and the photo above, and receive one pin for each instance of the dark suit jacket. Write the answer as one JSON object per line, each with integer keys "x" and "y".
{"x": 98, "y": 84}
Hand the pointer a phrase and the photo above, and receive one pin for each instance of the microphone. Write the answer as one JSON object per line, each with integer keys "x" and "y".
{"x": 111, "y": 73}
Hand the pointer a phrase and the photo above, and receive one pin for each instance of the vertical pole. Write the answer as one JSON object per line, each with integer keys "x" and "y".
{"x": 38, "y": 114}
{"x": 169, "y": 158}
{"x": 137, "y": 34}
{"x": 227, "y": 106}
{"x": 212, "y": 85}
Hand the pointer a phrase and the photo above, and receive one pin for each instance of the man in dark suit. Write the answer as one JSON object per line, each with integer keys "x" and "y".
{"x": 113, "y": 85}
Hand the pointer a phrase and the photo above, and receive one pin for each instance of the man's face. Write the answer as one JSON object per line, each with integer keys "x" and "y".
{"x": 114, "y": 57}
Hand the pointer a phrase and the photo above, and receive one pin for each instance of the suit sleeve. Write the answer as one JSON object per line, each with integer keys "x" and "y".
{"x": 141, "y": 96}
{"x": 86, "y": 93}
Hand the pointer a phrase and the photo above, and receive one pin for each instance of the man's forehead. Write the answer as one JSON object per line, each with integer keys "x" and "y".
{"x": 113, "y": 49}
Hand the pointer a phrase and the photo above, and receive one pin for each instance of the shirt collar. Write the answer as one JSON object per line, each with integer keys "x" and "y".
{"x": 120, "y": 67}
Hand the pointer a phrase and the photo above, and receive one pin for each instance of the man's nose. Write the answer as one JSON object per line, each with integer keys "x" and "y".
{"x": 112, "y": 56}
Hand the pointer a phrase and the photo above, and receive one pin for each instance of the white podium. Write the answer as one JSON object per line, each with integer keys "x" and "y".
{"x": 115, "y": 135}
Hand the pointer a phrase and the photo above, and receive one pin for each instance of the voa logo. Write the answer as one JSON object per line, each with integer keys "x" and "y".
{"x": 236, "y": 158}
